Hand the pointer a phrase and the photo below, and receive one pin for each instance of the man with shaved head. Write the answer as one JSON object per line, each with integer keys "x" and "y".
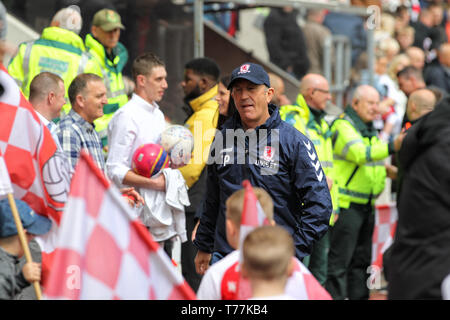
{"x": 307, "y": 116}
{"x": 360, "y": 175}
{"x": 420, "y": 103}
{"x": 47, "y": 96}
{"x": 47, "y": 93}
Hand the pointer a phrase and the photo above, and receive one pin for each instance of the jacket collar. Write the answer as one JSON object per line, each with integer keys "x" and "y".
{"x": 199, "y": 102}
{"x": 312, "y": 114}
{"x": 119, "y": 52}
{"x": 63, "y": 36}
{"x": 366, "y": 129}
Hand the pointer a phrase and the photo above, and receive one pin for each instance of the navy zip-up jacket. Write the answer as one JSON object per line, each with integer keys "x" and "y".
{"x": 283, "y": 162}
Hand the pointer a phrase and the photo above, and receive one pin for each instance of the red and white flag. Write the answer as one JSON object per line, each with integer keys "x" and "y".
{"x": 5, "y": 182}
{"x": 384, "y": 231}
{"x": 253, "y": 215}
{"x": 34, "y": 167}
{"x": 103, "y": 251}
{"x": 29, "y": 152}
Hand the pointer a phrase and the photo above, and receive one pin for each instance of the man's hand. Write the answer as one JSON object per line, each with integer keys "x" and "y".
{"x": 201, "y": 261}
{"x": 399, "y": 140}
{"x": 384, "y": 105}
{"x": 330, "y": 183}
{"x": 32, "y": 271}
{"x": 133, "y": 197}
{"x": 391, "y": 171}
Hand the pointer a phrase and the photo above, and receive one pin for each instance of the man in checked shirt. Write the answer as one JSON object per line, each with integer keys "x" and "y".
{"x": 87, "y": 95}
{"x": 76, "y": 131}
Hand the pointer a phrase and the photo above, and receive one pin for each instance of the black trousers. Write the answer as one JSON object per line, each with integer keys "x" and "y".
{"x": 350, "y": 253}
{"x": 188, "y": 253}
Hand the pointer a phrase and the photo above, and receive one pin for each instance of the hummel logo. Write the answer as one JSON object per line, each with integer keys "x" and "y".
{"x": 320, "y": 176}
{"x": 307, "y": 145}
{"x": 316, "y": 165}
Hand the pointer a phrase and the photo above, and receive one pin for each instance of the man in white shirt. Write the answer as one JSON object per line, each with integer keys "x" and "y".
{"x": 138, "y": 122}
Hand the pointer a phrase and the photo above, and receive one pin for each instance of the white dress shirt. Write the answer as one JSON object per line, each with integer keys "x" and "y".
{"x": 136, "y": 123}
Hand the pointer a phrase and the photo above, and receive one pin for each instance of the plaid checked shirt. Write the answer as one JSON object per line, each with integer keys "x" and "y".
{"x": 75, "y": 133}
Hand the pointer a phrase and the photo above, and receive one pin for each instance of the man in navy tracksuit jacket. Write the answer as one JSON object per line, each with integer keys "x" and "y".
{"x": 274, "y": 156}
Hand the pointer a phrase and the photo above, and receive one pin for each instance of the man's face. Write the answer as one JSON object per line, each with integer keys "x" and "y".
{"x": 417, "y": 60}
{"x": 108, "y": 39}
{"x": 367, "y": 106}
{"x": 58, "y": 100}
{"x": 251, "y": 102}
{"x": 319, "y": 95}
{"x": 190, "y": 85}
{"x": 94, "y": 98}
{"x": 407, "y": 85}
{"x": 156, "y": 84}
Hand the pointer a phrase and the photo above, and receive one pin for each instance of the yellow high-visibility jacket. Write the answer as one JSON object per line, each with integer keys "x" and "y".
{"x": 58, "y": 51}
{"x": 358, "y": 159}
{"x": 111, "y": 72}
{"x": 318, "y": 131}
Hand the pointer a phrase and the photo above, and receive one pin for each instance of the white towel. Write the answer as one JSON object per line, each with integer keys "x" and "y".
{"x": 163, "y": 212}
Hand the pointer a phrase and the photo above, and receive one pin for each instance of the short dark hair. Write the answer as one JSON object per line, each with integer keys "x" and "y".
{"x": 410, "y": 71}
{"x": 204, "y": 67}
{"x": 79, "y": 84}
{"x": 144, "y": 64}
{"x": 42, "y": 84}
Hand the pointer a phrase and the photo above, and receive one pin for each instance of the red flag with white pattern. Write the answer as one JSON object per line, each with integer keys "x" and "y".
{"x": 30, "y": 154}
{"x": 103, "y": 252}
{"x": 384, "y": 231}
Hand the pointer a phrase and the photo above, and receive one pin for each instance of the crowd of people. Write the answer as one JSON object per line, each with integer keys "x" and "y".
{"x": 316, "y": 179}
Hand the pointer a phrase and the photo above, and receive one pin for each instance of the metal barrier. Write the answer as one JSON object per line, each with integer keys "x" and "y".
{"x": 337, "y": 62}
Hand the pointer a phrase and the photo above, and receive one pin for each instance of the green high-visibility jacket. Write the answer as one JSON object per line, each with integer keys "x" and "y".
{"x": 318, "y": 131}
{"x": 358, "y": 159}
{"x": 111, "y": 72}
{"x": 58, "y": 51}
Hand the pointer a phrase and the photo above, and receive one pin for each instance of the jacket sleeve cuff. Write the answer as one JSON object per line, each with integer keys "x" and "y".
{"x": 391, "y": 149}
{"x": 201, "y": 247}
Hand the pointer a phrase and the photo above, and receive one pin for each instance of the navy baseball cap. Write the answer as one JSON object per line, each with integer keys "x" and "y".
{"x": 252, "y": 72}
{"x": 34, "y": 224}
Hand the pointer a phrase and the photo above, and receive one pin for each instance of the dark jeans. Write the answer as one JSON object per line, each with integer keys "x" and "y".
{"x": 188, "y": 253}
{"x": 317, "y": 262}
{"x": 216, "y": 256}
{"x": 350, "y": 253}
